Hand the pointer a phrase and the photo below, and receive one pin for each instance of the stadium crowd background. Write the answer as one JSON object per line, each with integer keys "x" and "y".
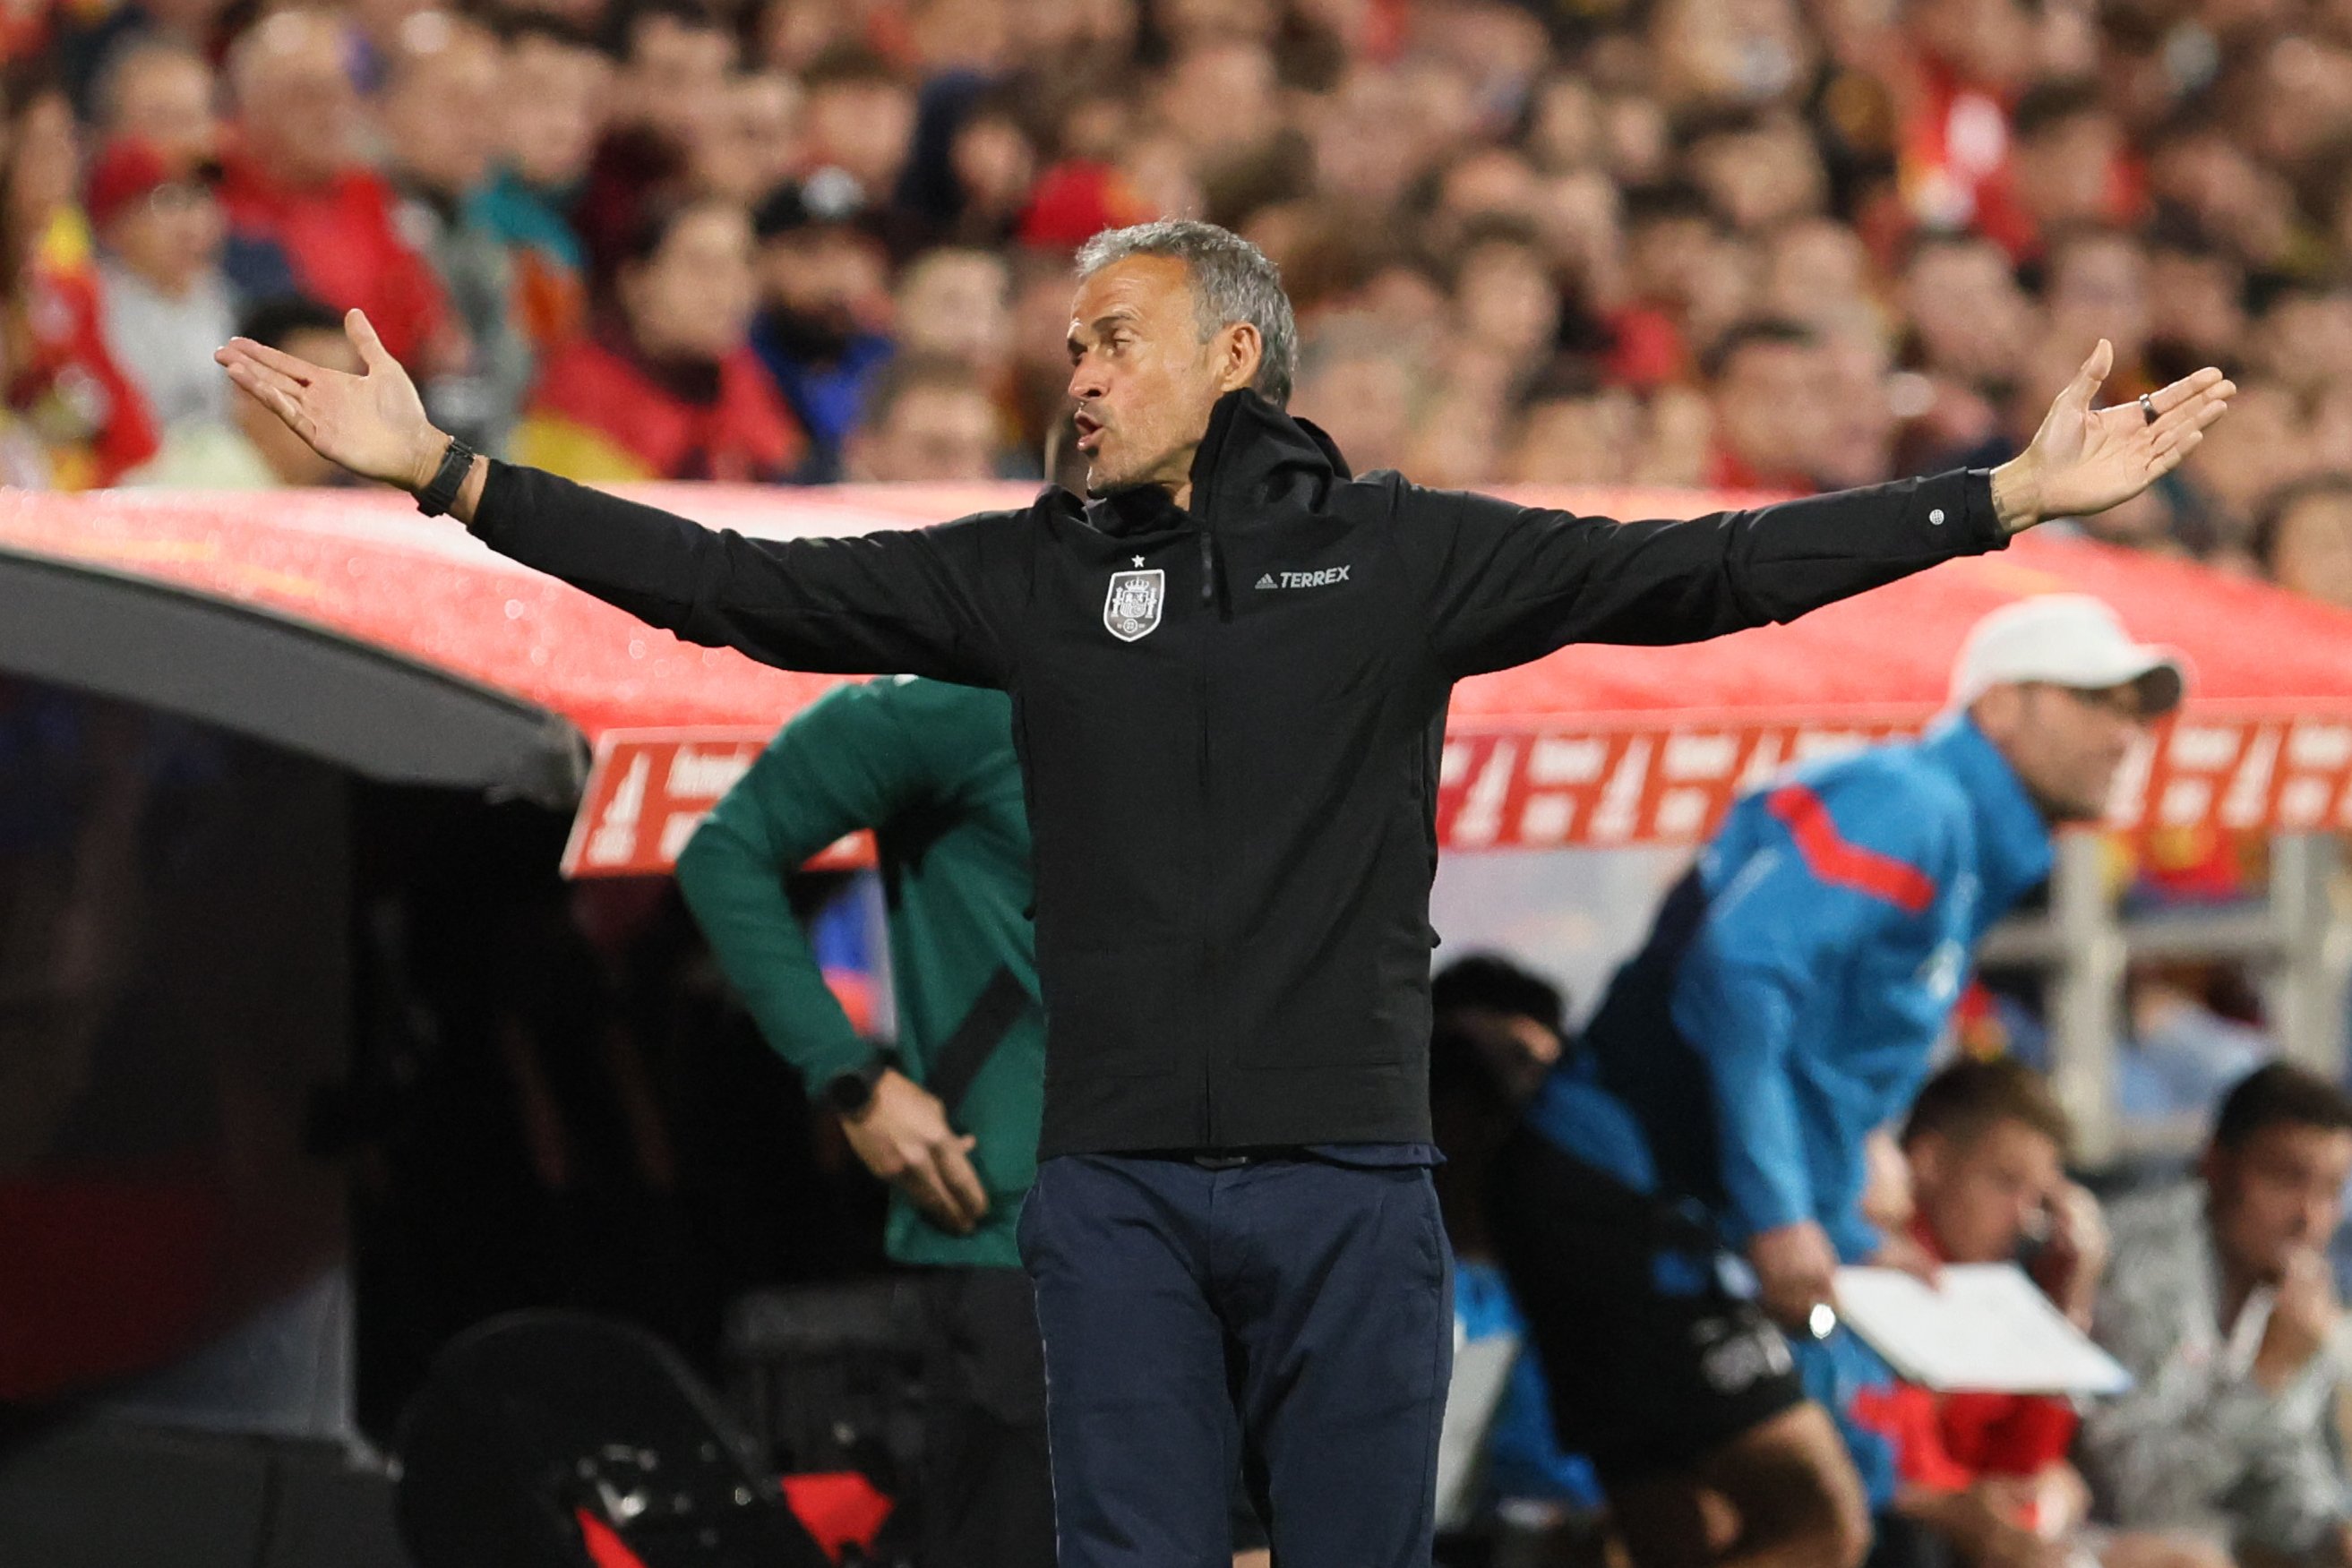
{"x": 1751, "y": 242}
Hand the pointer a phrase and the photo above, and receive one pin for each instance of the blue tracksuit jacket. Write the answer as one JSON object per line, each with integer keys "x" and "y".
{"x": 1792, "y": 990}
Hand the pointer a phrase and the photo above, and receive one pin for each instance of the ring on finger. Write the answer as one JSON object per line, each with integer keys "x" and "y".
{"x": 2147, "y": 408}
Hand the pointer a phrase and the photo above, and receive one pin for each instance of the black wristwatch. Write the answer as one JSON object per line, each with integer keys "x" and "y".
{"x": 447, "y": 480}
{"x": 850, "y": 1093}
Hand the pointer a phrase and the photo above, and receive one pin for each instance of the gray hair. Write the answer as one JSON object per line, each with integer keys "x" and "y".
{"x": 1233, "y": 281}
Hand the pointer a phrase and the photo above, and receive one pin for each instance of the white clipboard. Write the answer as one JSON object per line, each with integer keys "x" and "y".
{"x": 1980, "y": 1328}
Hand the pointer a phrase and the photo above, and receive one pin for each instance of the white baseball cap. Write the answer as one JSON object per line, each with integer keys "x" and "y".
{"x": 2065, "y": 640}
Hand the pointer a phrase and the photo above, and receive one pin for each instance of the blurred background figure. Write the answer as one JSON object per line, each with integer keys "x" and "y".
{"x": 242, "y": 450}
{"x": 666, "y": 386}
{"x": 2220, "y": 1305}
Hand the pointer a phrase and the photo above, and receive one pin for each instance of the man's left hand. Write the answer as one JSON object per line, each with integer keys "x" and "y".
{"x": 2083, "y": 460}
{"x": 2075, "y": 1256}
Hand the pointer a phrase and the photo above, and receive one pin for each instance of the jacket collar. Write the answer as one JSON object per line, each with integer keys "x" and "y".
{"x": 2014, "y": 852}
{"x": 1252, "y": 457}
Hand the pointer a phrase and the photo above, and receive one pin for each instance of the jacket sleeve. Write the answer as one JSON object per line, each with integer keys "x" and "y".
{"x": 903, "y": 600}
{"x": 848, "y": 762}
{"x": 1858, "y": 864}
{"x": 1504, "y": 584}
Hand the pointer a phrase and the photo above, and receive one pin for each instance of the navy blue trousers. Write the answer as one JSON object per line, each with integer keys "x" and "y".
{"x": 1292, "y": 1316}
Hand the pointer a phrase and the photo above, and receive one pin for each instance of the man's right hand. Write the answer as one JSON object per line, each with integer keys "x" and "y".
{"x": 904, "y": 1137}
{"x": 2303, "y": 1315}
{"x": 1796, "y": 1270}
{"x": 372, "y": 424}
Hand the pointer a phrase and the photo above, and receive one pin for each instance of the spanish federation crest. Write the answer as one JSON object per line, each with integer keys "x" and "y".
{"x": 1131, "y": 610}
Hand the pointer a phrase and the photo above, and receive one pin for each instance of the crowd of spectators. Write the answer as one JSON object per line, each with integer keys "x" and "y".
{"x": 1783, "y": 244}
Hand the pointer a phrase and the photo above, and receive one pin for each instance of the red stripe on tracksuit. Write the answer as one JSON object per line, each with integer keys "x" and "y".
{"x": 1837, "y": 860}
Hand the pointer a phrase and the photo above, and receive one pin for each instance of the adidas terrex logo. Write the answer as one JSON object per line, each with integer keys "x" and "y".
{"x": 1329, "y": 574}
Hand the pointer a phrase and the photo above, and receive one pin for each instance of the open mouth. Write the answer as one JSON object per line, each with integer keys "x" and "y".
{"x": 1089, "y": 431}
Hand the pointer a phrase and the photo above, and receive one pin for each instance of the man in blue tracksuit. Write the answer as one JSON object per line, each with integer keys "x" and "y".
{"x": 1687, "y": 1184}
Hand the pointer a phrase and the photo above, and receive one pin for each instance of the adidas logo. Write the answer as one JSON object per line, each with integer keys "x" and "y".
{"x": 1267, "y": 581}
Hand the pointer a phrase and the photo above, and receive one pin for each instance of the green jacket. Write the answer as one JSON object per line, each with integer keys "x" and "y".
{"x": 929, "y": 767}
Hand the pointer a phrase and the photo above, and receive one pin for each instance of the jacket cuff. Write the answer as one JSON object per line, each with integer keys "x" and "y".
{"x": 497, "y": 485}
{"x": 1983, "y": 517}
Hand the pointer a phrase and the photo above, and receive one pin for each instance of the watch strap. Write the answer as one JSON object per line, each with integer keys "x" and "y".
{"x": 442, "y": 493}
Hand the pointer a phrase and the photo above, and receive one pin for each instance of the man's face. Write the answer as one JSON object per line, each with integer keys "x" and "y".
{"x": 692, "y": 300}
{"x": 676, "y": 76}
{"x": 446, "y": 108}
{"x": 2279, "y": 1192}
{"x": 166, "y": 101}
{"x": 300, "y": 109}
{"x": 865, "y": 127}
{"x": 1979, "y": 1194}
{"x": 2099, "y": 288}
{"x": 936, "y": 434}
{"x": 1769, "y": 405}
{"x": 170, "y": 235}
{"x": 1967, "y": 307}
{"x": 1142, "y": 376}
{"x": 2063, "y": 174}
{"x": 2065, "y": 742}
{"x": 2313, "y": 553}
{"x": 828, "y": 277}
{"x": 957, "y": 303}
{"x": 556, "y": 94}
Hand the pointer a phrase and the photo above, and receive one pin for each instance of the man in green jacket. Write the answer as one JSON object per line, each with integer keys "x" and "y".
{"x": 951, "y": 1121}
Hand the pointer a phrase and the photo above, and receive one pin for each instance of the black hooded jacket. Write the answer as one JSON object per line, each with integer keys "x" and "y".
{"x": 1229, "y": 720}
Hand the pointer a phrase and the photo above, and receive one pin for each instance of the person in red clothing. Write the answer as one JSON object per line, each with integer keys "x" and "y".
{"x": 294, "y": 179}
{"x": 1987, "y": 1473}
{"x": 88, "y": 418}
{"x": 1768, "y": 381}
{"x": 667, "y": 387}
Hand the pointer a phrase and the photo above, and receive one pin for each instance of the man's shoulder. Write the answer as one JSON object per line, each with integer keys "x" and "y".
{"x": 2153, "y": 1231}
{"x": 1885, "y": 798}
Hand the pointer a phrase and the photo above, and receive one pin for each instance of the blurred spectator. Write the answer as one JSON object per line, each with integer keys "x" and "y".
{"x": 2196, "y": 304}
{"x": 253, "y": 449}
{"x": 1759, "y": 170}
{"x": 162, "y": 93}
{"x": 1959, "y": 63}
{"x": 1857, "y": 424}
{"x": 667, "y": 387}
{"x": 167, "y": 303}
{"x": 2094, "y": 285}
{"x": 751, "y": 142}
{"x": 2067, "y": 165}
{"x": 74, "y": 399}
{"x": 973, "y": 164}
{"x": 1984, "y": 1142}
{"x": 2220, "y": 1305}
{"x": 1497, "y": 1029}
{"x": 1768, "y": 380}
{"x": 557, "y": 82}
{"x": 859, "y": 124}
{"x": 675, "y": 56}
{"x": 825, "y": 281}
{"x": 956, "y": 303}
{"x": 2304, "y": 541}
{"x": 1572, "y": 430}
{"x": 1360, "y": 388}
{"x": 927, "y": 419}
{"x": 442, "y": 100}
{"x": 1987, "y": 1472}
{"x": 1669, "y": 232}
{"x": 296, "y": 180}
